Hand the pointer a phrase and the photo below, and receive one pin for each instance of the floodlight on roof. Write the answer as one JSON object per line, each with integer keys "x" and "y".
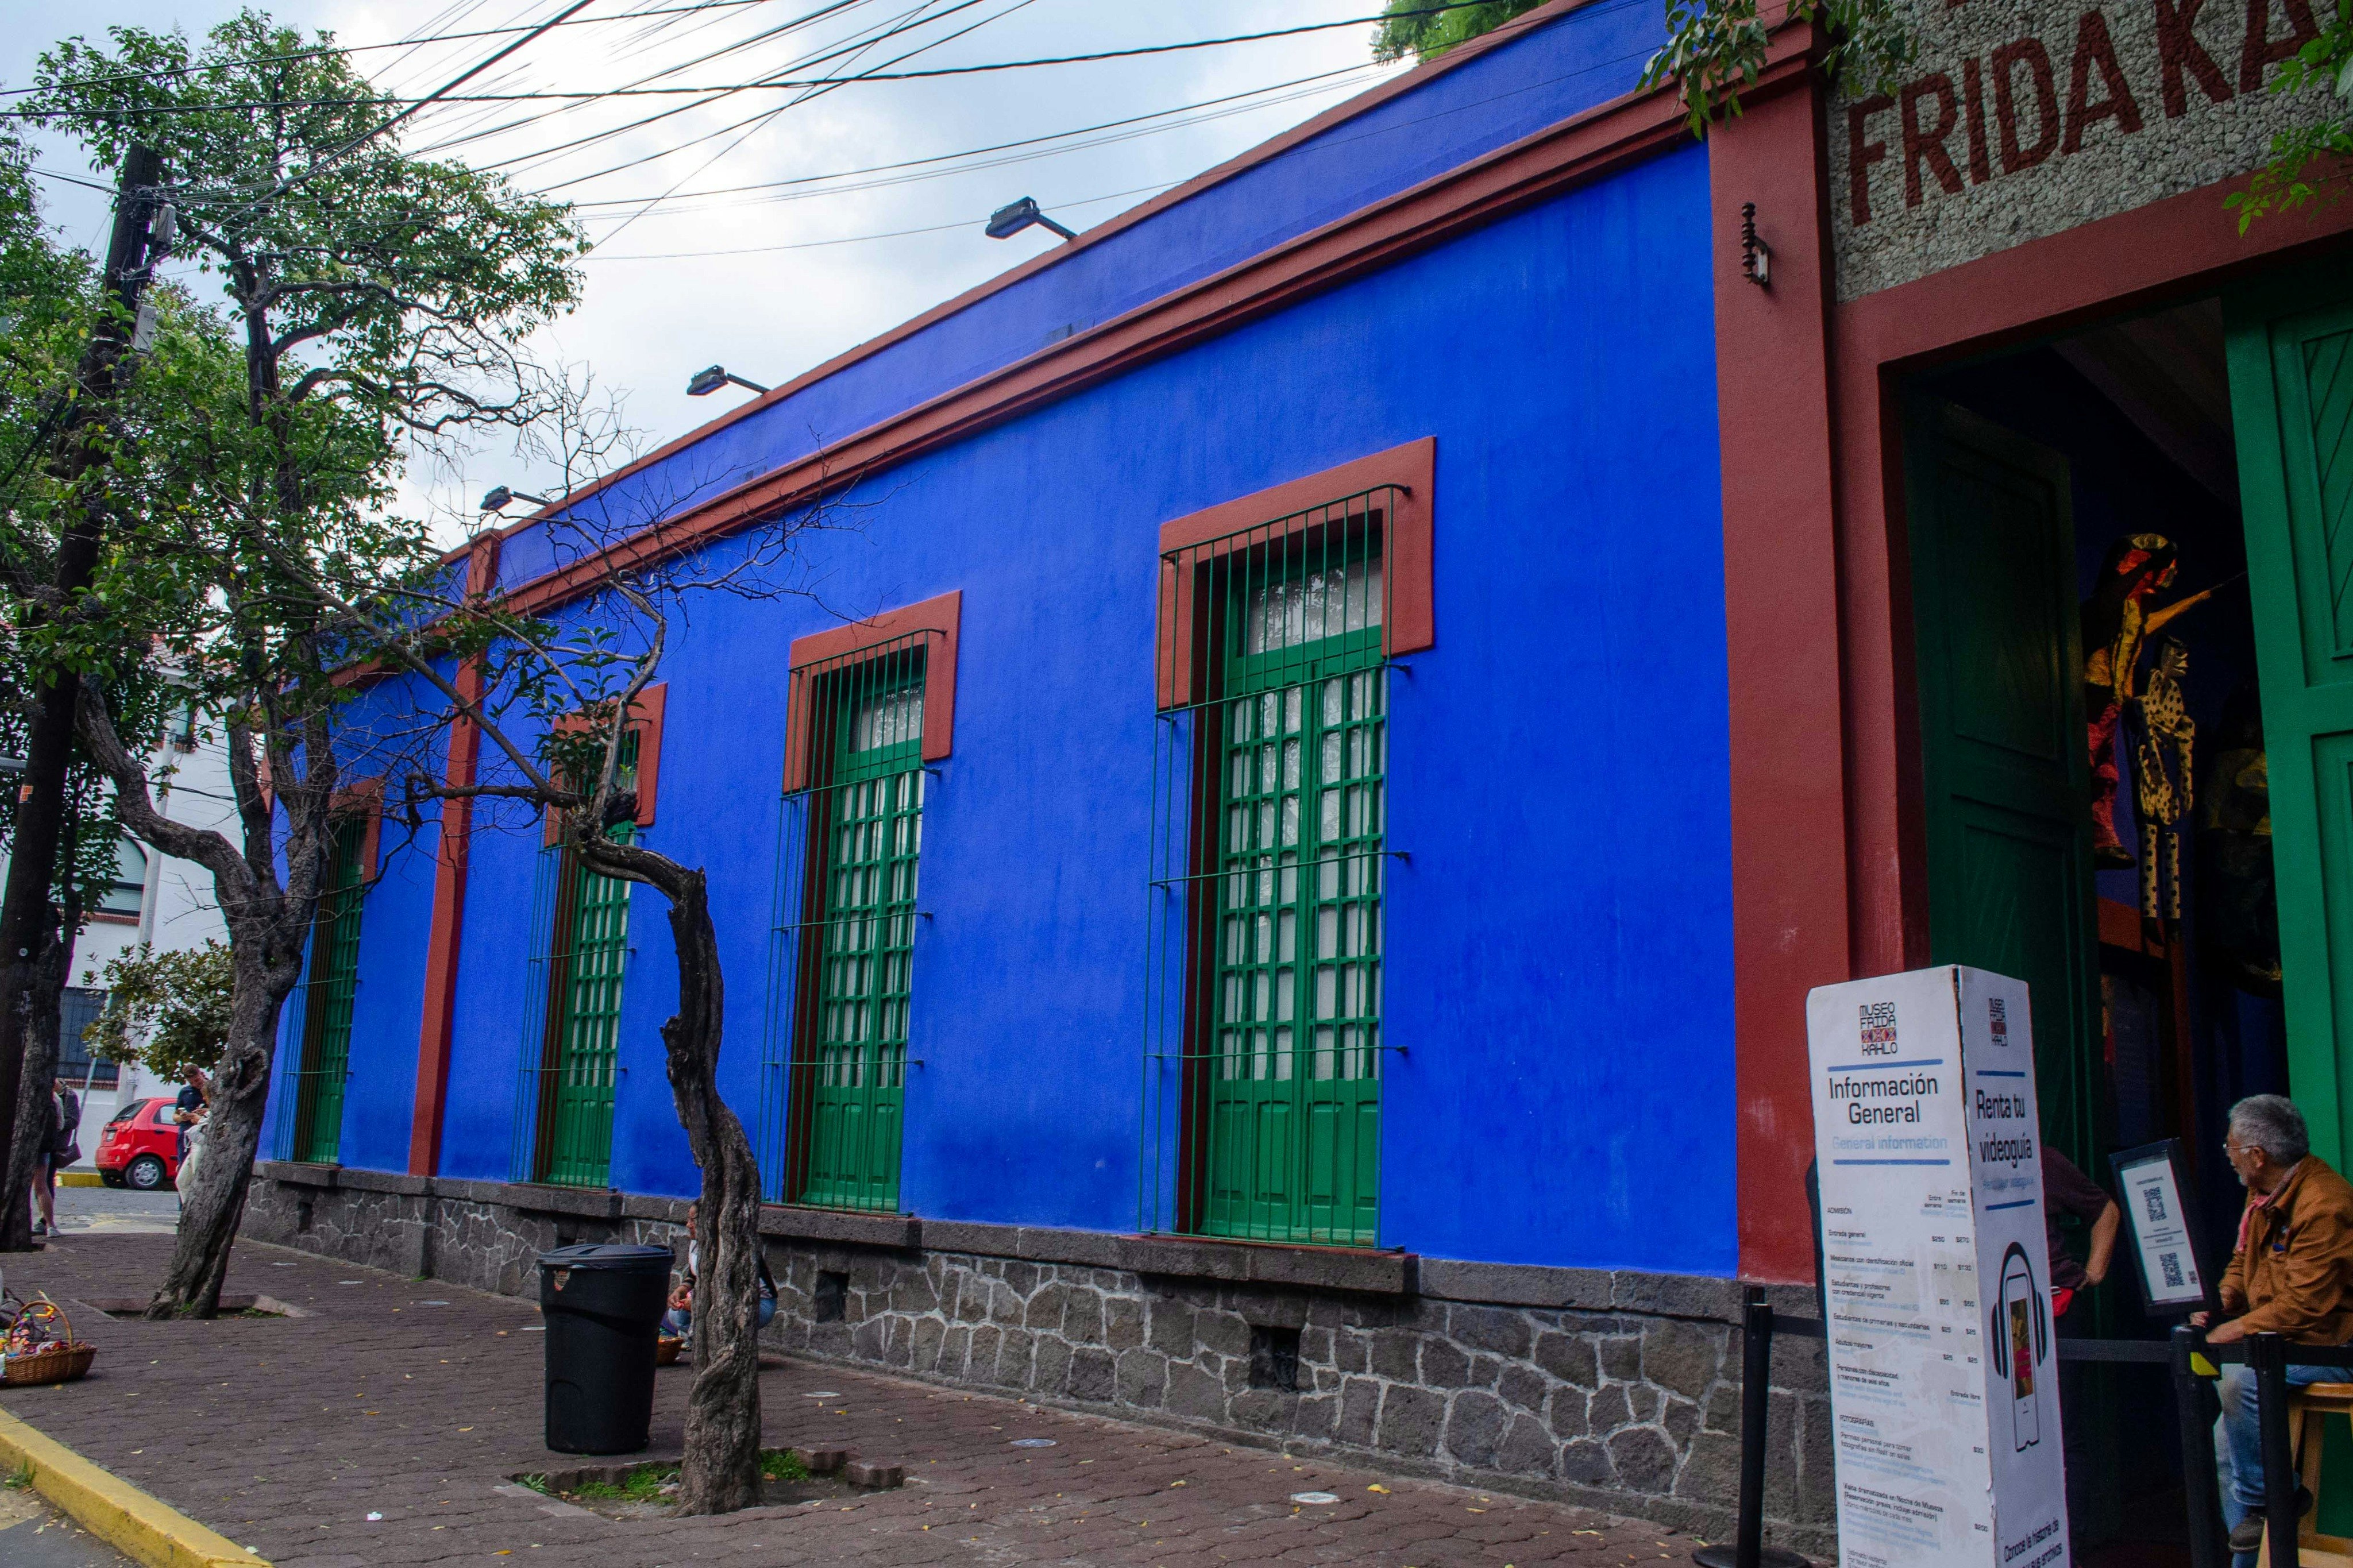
{"x": 1011, "y": 219}
{"x": 497, "y": 499}
{"x": 710, "y": 378}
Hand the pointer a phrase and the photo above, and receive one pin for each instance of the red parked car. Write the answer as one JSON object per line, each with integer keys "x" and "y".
{"x": 140, "y": 1146}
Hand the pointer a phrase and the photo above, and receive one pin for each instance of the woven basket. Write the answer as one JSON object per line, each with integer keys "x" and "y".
{"x": 62, "y": 1361}
{"x": 666, "y": 1349}
{"x": 58, "y": 1360}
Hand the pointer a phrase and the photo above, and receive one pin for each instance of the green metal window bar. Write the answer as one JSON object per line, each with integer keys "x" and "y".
{"x": 317, "y": 1016}
{"x": 1262, "y": 1052}
{"x": 843, "y": 939}
{"x": 570, "y": 1073}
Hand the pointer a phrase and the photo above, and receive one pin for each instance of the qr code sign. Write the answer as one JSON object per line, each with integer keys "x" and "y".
{"x": 2170, "y": 1263}
{"x": 2153, "y": 1199}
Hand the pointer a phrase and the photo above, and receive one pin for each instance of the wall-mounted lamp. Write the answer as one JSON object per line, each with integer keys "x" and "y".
{"x": 710, "y": 378}
{"x": 497, "y": 499}
{"x": 1756, "y": 255}
{"x": 1012, "y": 218}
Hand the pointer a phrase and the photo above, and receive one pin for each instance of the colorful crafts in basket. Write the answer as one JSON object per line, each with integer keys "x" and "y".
{"x": 36, "y": 1344}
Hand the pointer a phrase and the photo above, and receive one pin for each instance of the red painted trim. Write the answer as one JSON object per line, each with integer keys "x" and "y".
{"x": 1418, "y": 77}
{"x": 647, "y": 715}
{"x": 944, "y": 615}
{"x": 109, "y": 918}
{"x": 1409, "y": 618}
{"x": 444, "y": 938}
{"x": 364, "y": 797}
{"x": 1781, "y": 635}
{"x": 1584, "y": 148}
{"x": 1828, "y": 860}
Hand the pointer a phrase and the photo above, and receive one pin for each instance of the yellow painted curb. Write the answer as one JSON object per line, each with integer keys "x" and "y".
{"x": 80, "y": 1179}
{"x": 112, "y": 1509}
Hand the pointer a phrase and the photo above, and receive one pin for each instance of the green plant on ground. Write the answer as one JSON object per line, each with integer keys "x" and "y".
{"x": 782, "y": 1464}
{"x": 644, "y": 1483}
{"x": 18, "y": 1480}
{"x": 536, "y": 1483}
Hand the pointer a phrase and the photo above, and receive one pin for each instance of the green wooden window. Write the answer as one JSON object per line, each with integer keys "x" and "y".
{"x": 1290, "y": 1085}
{"x": 588, "y": 957}
{"x": 328, "y": 991}
{"x": 866, "y": 828}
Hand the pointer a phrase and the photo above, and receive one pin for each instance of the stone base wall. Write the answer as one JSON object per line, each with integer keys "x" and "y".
{"x": 1617, "y": 1390}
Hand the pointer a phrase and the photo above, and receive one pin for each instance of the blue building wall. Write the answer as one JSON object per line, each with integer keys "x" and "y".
{"x": 1558, "y": 950}
{"x": 388, "y": 1004}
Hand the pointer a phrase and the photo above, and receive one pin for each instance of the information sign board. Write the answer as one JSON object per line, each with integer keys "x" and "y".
{"x": 2173, "y": 1278}
{"x": 1944, "y": 1389}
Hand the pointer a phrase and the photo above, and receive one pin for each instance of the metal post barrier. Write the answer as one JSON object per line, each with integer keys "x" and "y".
{"x": 2267, "y": 1357}
{"x": 2205, "y": 1520}
{"x": 1749, "y": 1550}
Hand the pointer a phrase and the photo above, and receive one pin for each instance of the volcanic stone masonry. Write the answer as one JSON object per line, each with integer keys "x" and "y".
{"x": 1620, "y": 1390}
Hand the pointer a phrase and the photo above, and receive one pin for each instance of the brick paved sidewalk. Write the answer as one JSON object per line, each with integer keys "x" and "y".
{"x": 418, "y": 1401}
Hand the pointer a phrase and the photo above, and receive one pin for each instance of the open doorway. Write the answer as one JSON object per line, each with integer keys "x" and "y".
{"x": 2099, "y": 628}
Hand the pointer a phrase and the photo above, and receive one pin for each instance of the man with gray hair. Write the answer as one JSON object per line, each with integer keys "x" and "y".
{"x": 2291, "y": 1274}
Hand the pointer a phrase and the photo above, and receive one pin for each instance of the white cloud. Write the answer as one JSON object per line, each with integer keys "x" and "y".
{"x": 646, "y": 325}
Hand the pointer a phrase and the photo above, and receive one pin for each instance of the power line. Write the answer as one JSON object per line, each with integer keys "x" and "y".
{"x": 1329, "y": 141}
{"x": 763, "y": 121}
{"x": 1324, "y": 77}
{"x": 410, "y": 43}
{"x": 861, "y": 238}
{"x": 897, "y": 24}
{"x": 904, "y": 23}
{"x": 717, "y": 90}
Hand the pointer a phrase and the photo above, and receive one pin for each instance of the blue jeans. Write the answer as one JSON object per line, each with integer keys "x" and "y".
{"x": 677, "y": 1322}
{"x": 2238, "y": 1442}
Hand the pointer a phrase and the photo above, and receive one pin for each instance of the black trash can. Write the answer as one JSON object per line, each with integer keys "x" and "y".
{"x": 602, "y": 1303}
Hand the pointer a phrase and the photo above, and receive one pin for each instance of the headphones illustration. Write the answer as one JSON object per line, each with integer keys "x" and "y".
{"x": 1998, "y": 1338}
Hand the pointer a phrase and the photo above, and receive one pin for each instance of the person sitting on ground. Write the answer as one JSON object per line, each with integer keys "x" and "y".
{"x": 189, "y": 1111}
{"x": 2291, "y": 1275}
{"x": 679, "y": 1321}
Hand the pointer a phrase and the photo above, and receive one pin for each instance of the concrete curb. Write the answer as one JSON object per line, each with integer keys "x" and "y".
{"x": 80, "y": 1179}
{"x": 110, "y": 1508}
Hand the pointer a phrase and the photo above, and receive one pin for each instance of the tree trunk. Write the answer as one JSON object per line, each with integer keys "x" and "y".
{"x": 209, "y": 1214}
{"x": 43, "y": 1020}
{"x": 721, "y": 1471}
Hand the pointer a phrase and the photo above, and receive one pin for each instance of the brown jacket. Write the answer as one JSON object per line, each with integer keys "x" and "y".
{"x": 2293, "y": 1273}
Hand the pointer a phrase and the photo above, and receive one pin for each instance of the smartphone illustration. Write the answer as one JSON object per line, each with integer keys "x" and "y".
{"x": 2023, "y": 1310}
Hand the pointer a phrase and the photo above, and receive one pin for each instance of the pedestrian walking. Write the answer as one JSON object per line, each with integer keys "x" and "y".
{"x": 60, "y": 1147}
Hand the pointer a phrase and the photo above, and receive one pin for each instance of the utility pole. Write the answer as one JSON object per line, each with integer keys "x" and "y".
{"x": 28, "y": 924}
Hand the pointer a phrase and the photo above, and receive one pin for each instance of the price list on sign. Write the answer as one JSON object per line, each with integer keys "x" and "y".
{"x": 1945, "y": 1415}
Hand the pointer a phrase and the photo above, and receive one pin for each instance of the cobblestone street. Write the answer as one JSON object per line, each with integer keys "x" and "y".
{"x": 386, "y": 1426}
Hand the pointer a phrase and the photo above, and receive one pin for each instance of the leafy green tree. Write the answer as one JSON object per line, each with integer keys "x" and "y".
{"x": 1426, "y": 32}
{"x": 375, "y": 305}
{"x": 165, "y": 1012}
{"x": 49, "y": 304}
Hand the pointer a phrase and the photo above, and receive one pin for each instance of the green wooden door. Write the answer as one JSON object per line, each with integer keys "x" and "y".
{"x": 870, "y": 817}
{"x": 591, "y": 952}
{"x": 2291, "y": 354}
{"x": 580, "y": 1055}
{"x": 2005, "y": 773}
{"x": 328, "y": 993}
{"x": 1292, "y": 1081}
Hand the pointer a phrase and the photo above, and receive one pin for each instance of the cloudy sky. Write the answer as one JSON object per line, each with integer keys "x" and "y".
{"x": 692, "y": 268}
